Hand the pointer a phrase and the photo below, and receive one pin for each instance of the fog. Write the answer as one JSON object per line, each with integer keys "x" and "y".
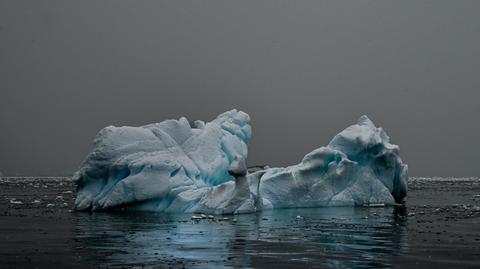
{"x": 303, "y": 70}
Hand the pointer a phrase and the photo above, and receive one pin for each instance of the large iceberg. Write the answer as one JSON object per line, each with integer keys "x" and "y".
{"x": 174, "y": 167}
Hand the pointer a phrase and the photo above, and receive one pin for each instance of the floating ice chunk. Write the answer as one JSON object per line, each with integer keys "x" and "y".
{"x": 359, "y": 166}
{"x": 14, "y": 201}
{"x": 167, "y": 166}
{"x": 374, "y": 205}
{"x": 172, "y": 167}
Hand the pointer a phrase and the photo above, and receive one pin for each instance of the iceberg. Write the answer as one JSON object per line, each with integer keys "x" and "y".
{"x": 149, "y": 167}
{"x": 358, "y": 167}
{"x": 172, "y": 166}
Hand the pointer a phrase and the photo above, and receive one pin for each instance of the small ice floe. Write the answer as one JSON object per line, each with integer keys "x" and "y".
{"x": 476, "y": 196}
{"x": 299, "y": 217}
{"x": 203, "y": 216}
{"x": 438, "y": 210}
{"x": 234, "y": 220}
{"x": 50, "y": 205}
{"x": 67, "y": 192}
{"x": 211, "y": 217}
{"x": 225, "y": 218}
{"x": 374, "y": 205}
{"x": 36, "y": 201}
{"x": 14, "y": 201}
{"x": 196, "y": 217}
{"x": 64, "y": 204}
{"x": 59, "y": 197}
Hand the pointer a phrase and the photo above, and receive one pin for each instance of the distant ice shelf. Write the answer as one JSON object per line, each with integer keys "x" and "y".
{"x": 174, "y": 167}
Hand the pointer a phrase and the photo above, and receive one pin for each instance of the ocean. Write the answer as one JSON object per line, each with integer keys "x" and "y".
{"x": 437, "y": 227}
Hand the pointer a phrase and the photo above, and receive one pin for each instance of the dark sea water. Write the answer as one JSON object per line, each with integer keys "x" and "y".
{"x": 438, "y": 227}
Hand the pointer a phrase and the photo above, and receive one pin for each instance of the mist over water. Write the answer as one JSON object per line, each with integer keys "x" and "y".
{"x": 302, "y": 70}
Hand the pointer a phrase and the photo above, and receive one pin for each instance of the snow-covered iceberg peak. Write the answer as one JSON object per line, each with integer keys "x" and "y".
{"x": 370, "y": 147}
{"x": 152, "y": 164}
{"x": 359, "y": 166}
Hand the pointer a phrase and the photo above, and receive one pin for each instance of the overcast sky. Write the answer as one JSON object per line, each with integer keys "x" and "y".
{"x": 303, "y": 70}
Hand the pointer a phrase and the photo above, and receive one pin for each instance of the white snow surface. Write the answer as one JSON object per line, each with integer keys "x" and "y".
{"x": 173, "y": 167}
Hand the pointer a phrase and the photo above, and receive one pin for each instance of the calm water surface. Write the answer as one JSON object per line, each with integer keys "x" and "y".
{"x": 438, "y": 227}
{"x": 322, "y": 237}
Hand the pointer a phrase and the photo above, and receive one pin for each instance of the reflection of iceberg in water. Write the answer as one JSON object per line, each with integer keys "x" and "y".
{"x": 323, "y": 237}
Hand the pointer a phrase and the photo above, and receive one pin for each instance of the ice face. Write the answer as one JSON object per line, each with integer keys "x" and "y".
{"x": 172, "y": 167}
{"x": 149, "y": 167}
{"x": 358, "y": 167}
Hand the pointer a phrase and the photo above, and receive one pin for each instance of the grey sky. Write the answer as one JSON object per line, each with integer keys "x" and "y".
{"x": 303, "y": 70}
